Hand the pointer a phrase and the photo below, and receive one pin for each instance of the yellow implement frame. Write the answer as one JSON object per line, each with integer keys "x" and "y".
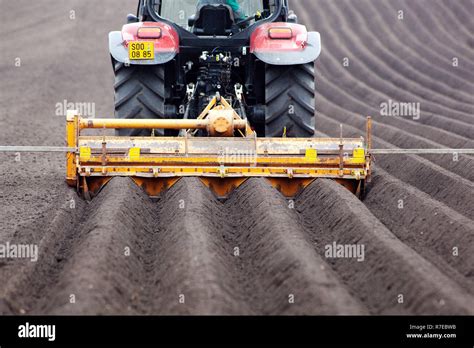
{"x": 222, "y": 163}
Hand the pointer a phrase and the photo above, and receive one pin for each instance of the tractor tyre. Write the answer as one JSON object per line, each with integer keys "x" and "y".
{"x": 289, "y": 99}
{"x": 139, "y": 94}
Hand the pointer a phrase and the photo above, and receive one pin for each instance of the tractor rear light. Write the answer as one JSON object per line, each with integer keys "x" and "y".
{"x": 164, "y": 37}
{"x": 149, "y": 33}
{"x": 280, "y": 33}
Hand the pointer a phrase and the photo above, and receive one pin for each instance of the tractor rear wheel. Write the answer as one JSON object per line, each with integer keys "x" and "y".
{"x": 139, "y": 94}
{"x": 289, "y": 99}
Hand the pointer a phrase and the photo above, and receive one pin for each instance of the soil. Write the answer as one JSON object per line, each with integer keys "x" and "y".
{"x": 257, "y": 252}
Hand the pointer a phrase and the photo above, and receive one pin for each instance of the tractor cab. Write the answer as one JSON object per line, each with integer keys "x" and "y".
{"x": 213, "y": 18}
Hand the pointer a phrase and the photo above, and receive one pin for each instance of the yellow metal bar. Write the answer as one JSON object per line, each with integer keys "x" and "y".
{"x": 208, "y": 108}
{"x": 177, "y": 171}
{"x": 225, "y": 103}
{"x": 252, "y": 161}
{"x": 71, "y": 140}
{"x": 151, "y": 124}
{"x": 229, "y": 145}
{"x": 369, "y": 148}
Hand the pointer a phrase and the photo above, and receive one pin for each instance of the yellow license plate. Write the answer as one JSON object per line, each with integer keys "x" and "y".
{"x": 142, "y": 50}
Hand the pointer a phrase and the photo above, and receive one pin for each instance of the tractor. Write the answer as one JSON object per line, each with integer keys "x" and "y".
{"x": 221, "y": 90}
{"x": 174, "y": 56}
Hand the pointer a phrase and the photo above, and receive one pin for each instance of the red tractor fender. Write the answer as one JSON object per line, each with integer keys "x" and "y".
{"x": 166, "y": 45}
{"x": 282, "y": 43}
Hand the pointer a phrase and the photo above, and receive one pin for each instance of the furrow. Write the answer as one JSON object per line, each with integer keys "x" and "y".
{"x": 389, "y": 277}
{"x": 279, "y": 258}
{"x": 449, "y": 188}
